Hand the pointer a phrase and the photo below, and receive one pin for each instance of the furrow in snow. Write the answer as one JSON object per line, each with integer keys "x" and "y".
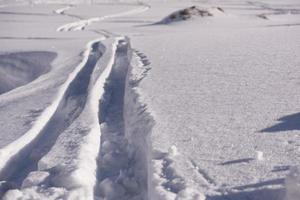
{"x": 74, "y": 154}
{"x": 87, "y": 165}
{"x": 22, "y": 155}
{"x": 125, "y": 126}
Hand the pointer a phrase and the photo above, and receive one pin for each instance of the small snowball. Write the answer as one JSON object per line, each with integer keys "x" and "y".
{"x": 173, "y": 151}
{"x": 259, "y": 155}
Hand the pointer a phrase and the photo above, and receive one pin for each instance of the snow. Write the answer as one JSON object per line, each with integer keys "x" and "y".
{"x": 190, "y": 12}
{"x": 18, "y": 69}
{"x": 62, "y": 10}
{"x": 81, "y": 24}
{"x": 293, "y": 184}
{"x": 109, "y": 99}
{"x": 259, "y": 155}
{"x": 89, "y": 151}
{"x": 10, "y": 151}
{"x": 35, "y": 179}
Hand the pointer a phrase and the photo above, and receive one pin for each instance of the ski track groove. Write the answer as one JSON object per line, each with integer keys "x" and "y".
{"x": 81, "y": 24}
{"x": 121, "y": 117}
{"x": 111, "y": 119}
{"x": 54, "y": 119}
{"x": 89, "y": 151}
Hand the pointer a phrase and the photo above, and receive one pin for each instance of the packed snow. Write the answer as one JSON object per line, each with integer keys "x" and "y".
{"x": 149, "y": 99}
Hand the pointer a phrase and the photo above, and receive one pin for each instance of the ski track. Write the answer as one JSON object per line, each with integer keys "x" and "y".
{"x": 119, "y": 170}
{"x": 117, "y": 155}
{"x": 21, "y": 156}
{"x": 89, "y": 151}
{"x": 125, "y": 125}
{"x": 121, "y": 120}
{"x": 127, "y": 167}
{"x": 83, "y": 23}
{"x": 112, "y": 160}
{"x": 61, "y": 11}
{"x": 271, "y": 10}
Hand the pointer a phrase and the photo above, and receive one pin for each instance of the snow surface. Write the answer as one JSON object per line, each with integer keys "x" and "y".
{"x": 109, "y": 99}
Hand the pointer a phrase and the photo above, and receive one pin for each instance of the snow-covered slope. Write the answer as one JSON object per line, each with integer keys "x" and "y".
{"x": 111, "y": 100}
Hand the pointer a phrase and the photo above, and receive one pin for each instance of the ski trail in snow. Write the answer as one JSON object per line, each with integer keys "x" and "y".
{"x": 22, "y": 155}
{"x": 113, "y": 156}
{"x": 82, "y": 24}
{"x": 77, "y": 26}
{"x": 125, "y": 125}
{"x": 87, "y": 165}
{"x": 85, "y": 161}
{"x": 61, "y": 11}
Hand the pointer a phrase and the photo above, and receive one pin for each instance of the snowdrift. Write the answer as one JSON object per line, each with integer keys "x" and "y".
{"x": 190, "y": 12}
{"x": 17, "y": 69}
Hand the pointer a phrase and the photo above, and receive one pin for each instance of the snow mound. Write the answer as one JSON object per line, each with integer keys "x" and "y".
{"x": 17, "y": 69}
{"x": 190, "y": 12}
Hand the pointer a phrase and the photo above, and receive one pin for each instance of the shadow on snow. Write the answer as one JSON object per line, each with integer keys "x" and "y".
{"x": 287, "y": 123}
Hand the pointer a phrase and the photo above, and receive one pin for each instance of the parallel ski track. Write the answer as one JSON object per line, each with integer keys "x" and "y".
{"x": 83, "y": 23}
{"x": 22, "y": 155}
